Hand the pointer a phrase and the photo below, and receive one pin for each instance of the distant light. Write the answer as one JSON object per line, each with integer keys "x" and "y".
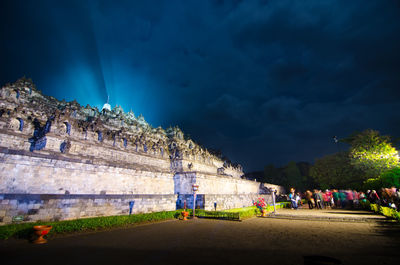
{"x": 106, "y": 106}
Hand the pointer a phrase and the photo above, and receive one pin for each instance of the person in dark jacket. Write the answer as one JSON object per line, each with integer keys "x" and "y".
{"x": 374, "y": 197}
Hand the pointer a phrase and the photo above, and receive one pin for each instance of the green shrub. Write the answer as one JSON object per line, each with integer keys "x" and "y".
{"x": 234, "y": 216}
{"x": 386, "y": 211}
{"x": 372, "y": 184}
{"x": 246, "y": 212}
{"x": 251, "y": 211}
{"x": 389, "y": 212}
{"x": 374, "y": 207}
{"x": 365, "y": 205}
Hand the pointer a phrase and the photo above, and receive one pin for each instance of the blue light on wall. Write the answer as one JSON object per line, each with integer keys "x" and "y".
{"x": 68, "y": 128}
{"x": 63, "y": 147}
{"x": 100, "y": 136}
{"x": 21, "y": 124}
{"x": 38, "y": 144}
{"x": 38, "y": 141}
{"x": 145, "y": 148}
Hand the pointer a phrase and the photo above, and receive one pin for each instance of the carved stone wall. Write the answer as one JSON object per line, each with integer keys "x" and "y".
{"x": 35, "y": 207}
{"x": 68, "y": 155}
{"x": 47, "y": 174}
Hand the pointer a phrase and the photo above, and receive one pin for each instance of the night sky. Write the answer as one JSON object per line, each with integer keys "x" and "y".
{"x": 263, "y": 81}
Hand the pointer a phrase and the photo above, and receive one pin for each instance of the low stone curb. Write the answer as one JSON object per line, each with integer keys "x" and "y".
{"x": 329, "y": 219}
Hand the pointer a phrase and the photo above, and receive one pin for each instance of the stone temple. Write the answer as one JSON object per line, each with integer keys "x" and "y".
{"x": 59, "y": 160}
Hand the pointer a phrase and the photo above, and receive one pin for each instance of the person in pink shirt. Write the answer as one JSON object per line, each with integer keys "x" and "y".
{"x": 350, "y": 198}
{"x": 356, "y": 199}
{"x": 326, "y": 198}
{"x": 329, "y": 198}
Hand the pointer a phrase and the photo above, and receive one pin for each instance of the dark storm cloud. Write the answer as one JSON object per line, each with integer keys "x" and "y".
{"x": 264, "y": 81}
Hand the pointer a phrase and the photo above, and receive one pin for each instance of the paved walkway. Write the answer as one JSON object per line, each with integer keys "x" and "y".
{"x": 204, "y": 241}
{"x": 339, "y": 215}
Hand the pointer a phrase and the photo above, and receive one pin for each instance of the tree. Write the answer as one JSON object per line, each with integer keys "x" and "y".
{"x": 272, "y": 175}
{"x": 307, "y": 181}
{"x": 388, "y": 179}
{"x": 372, "y": 153}
{"x": 292, "y": 176}
{"x": 391, "y": 178}
{"x": 336, "y": 171}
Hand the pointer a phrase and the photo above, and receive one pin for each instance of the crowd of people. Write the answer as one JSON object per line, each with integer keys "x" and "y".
{"x": 317, "y": 199}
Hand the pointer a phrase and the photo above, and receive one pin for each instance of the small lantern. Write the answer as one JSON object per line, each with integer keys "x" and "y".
{"x": 195, "y": 187}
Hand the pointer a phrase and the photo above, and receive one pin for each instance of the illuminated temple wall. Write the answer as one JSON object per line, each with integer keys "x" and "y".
{"x": 63, "y": 161}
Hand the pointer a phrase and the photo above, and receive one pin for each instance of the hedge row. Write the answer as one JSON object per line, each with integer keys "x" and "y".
{"x": 224, "y": 215}
{"x": 25, "y": 230}
{"x": 238, "y": 213}
{"x": 386, "y": 211}
{"x": 251, "y": 211}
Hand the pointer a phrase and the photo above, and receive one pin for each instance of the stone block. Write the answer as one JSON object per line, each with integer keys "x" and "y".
{"x": 36, "y": 206}
{"x": 7, "y": 219}
{"x": 23, "y": 207}
{"x": 33, "y": 211}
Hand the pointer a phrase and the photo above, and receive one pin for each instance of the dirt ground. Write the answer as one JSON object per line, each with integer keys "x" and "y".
{"x": 204, "y": 241}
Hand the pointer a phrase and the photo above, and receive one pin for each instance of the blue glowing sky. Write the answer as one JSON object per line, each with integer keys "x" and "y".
{"x": 263, "y": 81}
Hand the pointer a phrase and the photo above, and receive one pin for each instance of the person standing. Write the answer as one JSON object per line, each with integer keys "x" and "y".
{"x": 335, "y": 195}
{"x": 327, "y": 198}
{"x": 321, "y": 199}
{"x": 374, "y": 197}
{"x": 356, "y": 199}
{"x": 292, "y": 197}
{"x": 298, "y": 200}
{"x": 309, "y": 198}
{"x": 350, "y": 198}
{"x": 342, "y": 199}
{"x": 318, "y": 199}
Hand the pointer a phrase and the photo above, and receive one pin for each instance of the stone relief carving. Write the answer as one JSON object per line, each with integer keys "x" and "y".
{"x": 24, "y": 108}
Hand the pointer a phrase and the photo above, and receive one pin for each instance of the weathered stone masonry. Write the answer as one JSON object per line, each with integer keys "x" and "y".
{"x": 60, "y": 161}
